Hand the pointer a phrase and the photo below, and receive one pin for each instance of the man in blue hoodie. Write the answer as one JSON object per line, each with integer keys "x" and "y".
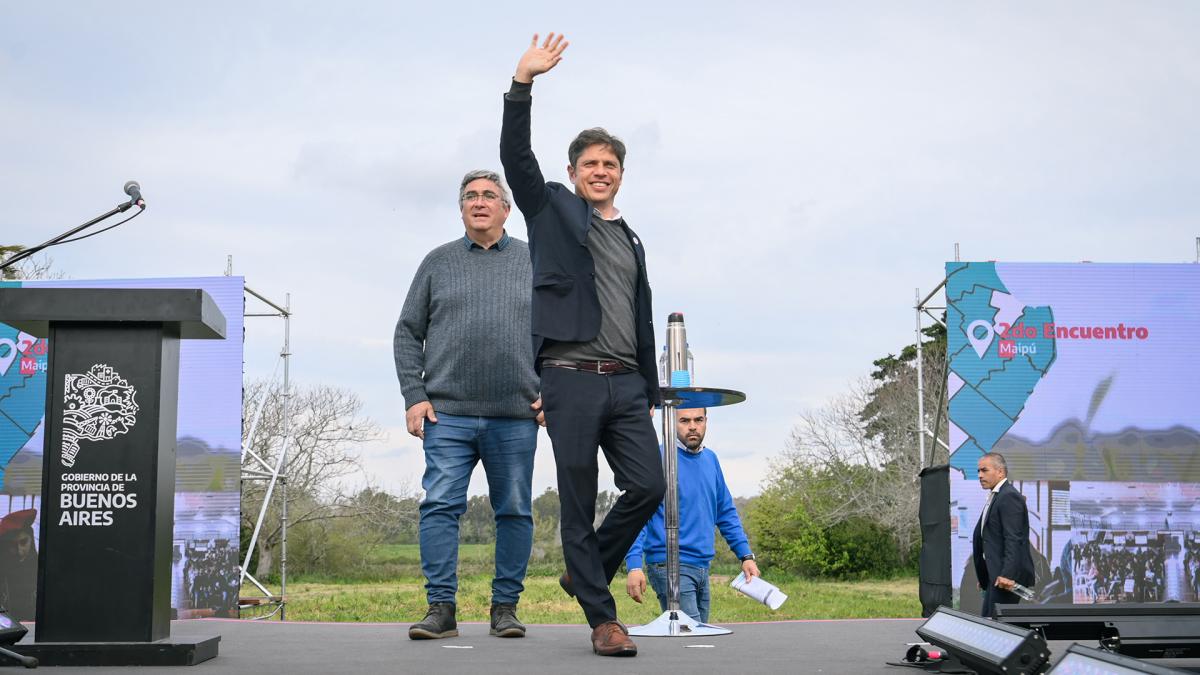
{"x": 704, "y": 503}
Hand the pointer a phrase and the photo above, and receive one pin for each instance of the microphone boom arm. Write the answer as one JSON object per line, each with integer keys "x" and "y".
{"x": 21, "y": 255}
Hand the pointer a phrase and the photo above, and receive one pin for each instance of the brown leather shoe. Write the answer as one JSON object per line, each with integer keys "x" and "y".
{"x": 611, "y": 638}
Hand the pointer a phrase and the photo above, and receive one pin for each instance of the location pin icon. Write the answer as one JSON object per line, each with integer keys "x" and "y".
{"x": 981, "y": 344}
{"x": 8, "y": 354}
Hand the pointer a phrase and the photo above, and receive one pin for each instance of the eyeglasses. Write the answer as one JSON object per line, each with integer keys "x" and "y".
{"x": 487, "y": 195}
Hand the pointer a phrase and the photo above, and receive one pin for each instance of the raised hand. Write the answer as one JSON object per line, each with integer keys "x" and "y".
{"x": 537, "y": 60}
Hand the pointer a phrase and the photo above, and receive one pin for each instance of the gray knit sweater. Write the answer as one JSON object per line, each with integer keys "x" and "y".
{"x": 462, "y": 342}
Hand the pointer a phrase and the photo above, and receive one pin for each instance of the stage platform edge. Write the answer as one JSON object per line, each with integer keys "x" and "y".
{"x": 172, "y": 651}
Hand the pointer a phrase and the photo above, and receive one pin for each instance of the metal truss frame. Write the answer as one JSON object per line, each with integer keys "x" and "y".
{"x": 275, "y": 475}
{"x": 924, "y": 309}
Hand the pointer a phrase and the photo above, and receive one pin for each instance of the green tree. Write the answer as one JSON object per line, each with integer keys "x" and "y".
{"x": 547, "y": 539}
{"x": 890, "y": 411}
{"x": 842, "y": 500}
{"x": 478, "y": 524}
{"x": 9, "y": 273}
{"x": 604, "y": 503}
{"x": 547, "y": 510}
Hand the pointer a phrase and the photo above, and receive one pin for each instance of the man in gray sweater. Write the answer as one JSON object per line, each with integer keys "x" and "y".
{"x": 466, "y": 372}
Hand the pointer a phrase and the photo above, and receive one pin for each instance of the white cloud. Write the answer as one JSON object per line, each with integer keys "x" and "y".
{"x": 795, "y": 170}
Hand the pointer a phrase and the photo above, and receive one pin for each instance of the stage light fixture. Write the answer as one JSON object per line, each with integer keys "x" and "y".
{"x": 11, "y": 632}
{"x": 1141, "y": 630}
{"x": 986, "y": 646}
{"x": 1080, "y": 660}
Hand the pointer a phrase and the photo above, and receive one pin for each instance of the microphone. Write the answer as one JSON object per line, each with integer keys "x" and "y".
{"x": 918, "y": 654}
{"x": 135, "y": 193}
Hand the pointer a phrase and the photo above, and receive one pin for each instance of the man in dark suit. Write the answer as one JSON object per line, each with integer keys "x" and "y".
{"x": 1001, "y": 538}
{"x": 593, "y": 340}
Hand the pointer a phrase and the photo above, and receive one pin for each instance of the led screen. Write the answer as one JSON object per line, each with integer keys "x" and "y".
{"x": 1084, "y": 377}
{"x": 207, "y": 487}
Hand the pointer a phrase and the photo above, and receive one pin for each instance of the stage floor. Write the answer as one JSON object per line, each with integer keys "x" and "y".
{"x": 856, "y": 646}
{"x": 846, "y": 647}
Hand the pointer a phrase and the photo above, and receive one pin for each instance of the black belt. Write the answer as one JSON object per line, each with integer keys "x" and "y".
{"x": 598, "y": 367}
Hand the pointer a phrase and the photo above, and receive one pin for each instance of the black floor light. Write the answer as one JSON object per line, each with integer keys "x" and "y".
{"x": 11, "y": 632}
{"x": 1080, "y": 660}
{"x": 986, "y": 646}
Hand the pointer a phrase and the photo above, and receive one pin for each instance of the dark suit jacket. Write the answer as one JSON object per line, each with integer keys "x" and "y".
{"x": 1001, "y": 545}
{"x": 565, "y": 304}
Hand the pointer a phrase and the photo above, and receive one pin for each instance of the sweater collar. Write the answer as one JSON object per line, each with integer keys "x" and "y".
{"x": 499, "y": 246}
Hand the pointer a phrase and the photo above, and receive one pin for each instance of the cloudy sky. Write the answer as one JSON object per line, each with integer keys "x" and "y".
{"x": 796, "y": 169}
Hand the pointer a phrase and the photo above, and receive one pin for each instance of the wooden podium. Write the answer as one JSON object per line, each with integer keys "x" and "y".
{"x": 108, "y": 476}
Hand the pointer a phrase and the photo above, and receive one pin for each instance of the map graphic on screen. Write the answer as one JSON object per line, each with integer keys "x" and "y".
{"x": 1084, "y": 377}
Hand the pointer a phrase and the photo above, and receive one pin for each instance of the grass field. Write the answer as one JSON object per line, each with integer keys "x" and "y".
{"x": 390, "y": 589}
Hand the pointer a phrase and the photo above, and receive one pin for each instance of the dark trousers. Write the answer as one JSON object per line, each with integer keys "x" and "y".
{"x": 585, "y": 411}
{"x": 993, "y": 596}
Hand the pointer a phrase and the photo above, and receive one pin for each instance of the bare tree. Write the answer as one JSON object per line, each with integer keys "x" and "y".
{"x": 323, "y": 461}
{"x": 842, "y": 472}
{"x": 34, "y": 267}
{"x": 858, "y": 455}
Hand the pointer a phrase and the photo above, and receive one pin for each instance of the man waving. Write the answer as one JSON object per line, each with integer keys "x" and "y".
{"x": 593, "y": 341}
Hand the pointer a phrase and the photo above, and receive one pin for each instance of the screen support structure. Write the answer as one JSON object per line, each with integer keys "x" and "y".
{"x": 257, "y": 468}
{"x": 924, "y": 309}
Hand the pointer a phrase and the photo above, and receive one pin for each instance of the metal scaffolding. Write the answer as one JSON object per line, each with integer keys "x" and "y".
{"x": 924, "y": 309}
{"x": 259, "y": 469}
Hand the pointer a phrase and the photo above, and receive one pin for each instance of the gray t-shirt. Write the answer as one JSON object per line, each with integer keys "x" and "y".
{"x": 616, "y": 284}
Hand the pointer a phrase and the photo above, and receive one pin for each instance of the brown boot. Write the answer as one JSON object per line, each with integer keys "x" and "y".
{"x": 612, "y": 639}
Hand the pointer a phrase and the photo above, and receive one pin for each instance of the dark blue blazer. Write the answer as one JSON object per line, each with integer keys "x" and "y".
{"x": 565, "y": 304}
{"x": 1001, "y": 545}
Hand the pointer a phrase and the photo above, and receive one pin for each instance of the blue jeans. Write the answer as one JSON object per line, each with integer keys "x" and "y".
{"x": 693, "y": 588}
{"x": 452, "y": 447}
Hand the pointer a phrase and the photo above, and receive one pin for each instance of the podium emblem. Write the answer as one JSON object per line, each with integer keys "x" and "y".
{"x": 98, "y": 405}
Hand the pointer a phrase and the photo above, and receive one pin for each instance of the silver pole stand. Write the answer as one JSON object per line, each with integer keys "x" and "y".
{"x": 674, "y": 622}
